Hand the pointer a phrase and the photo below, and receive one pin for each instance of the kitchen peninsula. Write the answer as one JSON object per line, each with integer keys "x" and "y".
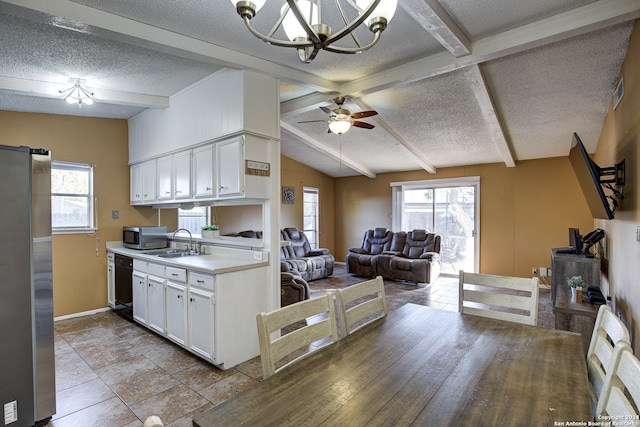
{"x": 205, "y": 303}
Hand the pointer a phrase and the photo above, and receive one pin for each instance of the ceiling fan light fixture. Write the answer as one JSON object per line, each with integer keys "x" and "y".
{"x": 301, "y": 21}
{"x": 339, "y": 127}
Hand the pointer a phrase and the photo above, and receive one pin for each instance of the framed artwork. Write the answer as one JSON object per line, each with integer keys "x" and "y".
{"x": 288, "y": 195}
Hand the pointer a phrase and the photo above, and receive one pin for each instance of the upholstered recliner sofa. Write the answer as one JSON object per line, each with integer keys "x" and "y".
{"x": 412, "y": 256}
{"x": 293, "y": 289}
{"x": 298, "y": 258}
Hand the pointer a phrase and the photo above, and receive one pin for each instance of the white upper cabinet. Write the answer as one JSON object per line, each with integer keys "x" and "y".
{"x": 202, "y": 141}
{"x": 203, "y": 172}
{"x": 182, "y": 175}
{"x": 165, "y": 178}
{"x": 149, "y": 181}
{"x": 135, "y": 180}
{"x": 229, "y": 168}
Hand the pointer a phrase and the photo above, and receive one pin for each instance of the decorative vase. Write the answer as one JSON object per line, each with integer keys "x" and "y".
{"x": 573, "y": 294}
{"x": 210, "y": 234}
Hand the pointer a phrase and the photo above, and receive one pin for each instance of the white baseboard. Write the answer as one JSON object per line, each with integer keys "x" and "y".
{"x": 81, "y": 314}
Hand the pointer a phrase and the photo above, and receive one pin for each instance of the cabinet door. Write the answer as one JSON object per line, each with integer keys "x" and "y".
{"x": 135, "y": 181}
{"x": 165, "y": 178}
{"x": 155, "y": 303}
{"x": 176, "y": 299}
{"x": 182, "y": 175}
{"x": 203, "y": 185}
{"x": 230, "y": 168}
{"x": 111, "y": 281}
{"x": 149, "y": 181}
{"x": 140, "y": 297}
{"x": 200, "y": 313}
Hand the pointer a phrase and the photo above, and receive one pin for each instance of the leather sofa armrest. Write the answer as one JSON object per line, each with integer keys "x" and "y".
{"x": 319, "y": 251}
{"x": 430, "y": 255}
{"x": 358, "y": 251}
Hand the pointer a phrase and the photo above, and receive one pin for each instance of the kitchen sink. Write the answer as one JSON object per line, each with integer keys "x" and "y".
{"x": 172, "y": 253}
{"x": 177, "y": 254}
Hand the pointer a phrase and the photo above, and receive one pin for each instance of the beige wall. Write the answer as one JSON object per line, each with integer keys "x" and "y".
{"x": 619, "y": 140}
{"x": 79, "y": 260}
{"x": 524, "y": 211}
{"x": 297, "y": 175}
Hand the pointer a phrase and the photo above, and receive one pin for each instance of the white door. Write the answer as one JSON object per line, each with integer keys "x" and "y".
{"x": 203, "y": 172}
{"x": 165, "y": 178}
{"x": 201, "y": 325}
{"x": 182, "y": 173}
{"x": 230, "y": 171}
{"x": 155, "y": 303}
{"x": 176, "y": 300}
{"x": 140, "y": 297}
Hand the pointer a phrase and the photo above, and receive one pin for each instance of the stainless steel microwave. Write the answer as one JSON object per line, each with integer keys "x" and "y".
{"x": 144, "y": 237}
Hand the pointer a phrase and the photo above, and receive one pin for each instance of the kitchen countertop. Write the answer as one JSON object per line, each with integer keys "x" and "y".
{"x": 218, "y": 262}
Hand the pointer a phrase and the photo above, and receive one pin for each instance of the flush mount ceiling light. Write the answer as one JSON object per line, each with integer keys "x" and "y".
{"x": 301, "y": 21}
{"x": 77, "y": 94}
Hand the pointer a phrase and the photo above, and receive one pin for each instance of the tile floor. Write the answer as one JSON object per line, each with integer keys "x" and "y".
{"x": 110, "y": 372}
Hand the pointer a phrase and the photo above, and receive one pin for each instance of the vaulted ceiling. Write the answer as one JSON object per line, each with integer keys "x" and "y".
{"x": 454, "y": 82}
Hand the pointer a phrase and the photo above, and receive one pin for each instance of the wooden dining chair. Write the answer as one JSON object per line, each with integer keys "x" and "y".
{"x": 499, "y": 297}
{"x": 361, "y": 304}
{"x": 608, "y": 333}
{"x": 620, "y": 396}
{"x": 277, "y": 347}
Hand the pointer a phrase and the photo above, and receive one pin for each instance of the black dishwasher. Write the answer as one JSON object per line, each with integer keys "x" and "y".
{"x": 123, "y": 285}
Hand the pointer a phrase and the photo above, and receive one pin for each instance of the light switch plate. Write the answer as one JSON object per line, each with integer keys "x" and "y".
{"x": 115, "y": 214}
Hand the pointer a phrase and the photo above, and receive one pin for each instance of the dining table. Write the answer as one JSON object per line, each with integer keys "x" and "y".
{"x": 424, "y": 366}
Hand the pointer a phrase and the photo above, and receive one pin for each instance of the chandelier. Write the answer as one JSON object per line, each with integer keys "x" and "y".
{"x": 301, "y": 21}
{"x": 77, "y": 94}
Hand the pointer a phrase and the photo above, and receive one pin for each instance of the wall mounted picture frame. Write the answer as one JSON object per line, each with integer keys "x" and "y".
{"x": 288, "y": 195}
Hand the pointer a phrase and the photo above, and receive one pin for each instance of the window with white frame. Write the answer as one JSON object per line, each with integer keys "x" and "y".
{"x": 193, "y": 219}
{"x": 311, "y": 209}
{"x": 72, "y": 202}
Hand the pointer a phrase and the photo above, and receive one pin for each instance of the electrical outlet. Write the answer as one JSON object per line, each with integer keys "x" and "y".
{"x": 549, "y": 272}
{"x": 543, "y": 271}
{"x": 534, "y": 271}
{"x": 115, "y": 214}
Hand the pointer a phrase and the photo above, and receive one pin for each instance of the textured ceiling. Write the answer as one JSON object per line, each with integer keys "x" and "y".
{"x": 454, "y": 82}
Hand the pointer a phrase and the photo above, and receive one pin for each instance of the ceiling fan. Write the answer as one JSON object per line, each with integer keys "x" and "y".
{"x": 341, "y": 119}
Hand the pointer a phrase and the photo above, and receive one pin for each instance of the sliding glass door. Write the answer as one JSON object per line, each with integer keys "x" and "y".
{"x": 446, "y": 207}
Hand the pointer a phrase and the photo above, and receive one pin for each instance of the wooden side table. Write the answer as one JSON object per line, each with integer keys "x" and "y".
{"x": 575, "y": 316}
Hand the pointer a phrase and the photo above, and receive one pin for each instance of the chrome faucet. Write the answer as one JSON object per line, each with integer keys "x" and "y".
{"x": 190, "y": 237}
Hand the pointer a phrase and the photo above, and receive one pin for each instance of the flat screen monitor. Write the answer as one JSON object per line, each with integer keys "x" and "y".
{"x": 588, "y": 174}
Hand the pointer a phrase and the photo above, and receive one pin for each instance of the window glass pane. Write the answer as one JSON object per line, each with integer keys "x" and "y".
{"x": 310, "y": 215}
{"x": 193, "y": 219}
{"x": 69, "y": 211}
{"x": 65, "y": 181}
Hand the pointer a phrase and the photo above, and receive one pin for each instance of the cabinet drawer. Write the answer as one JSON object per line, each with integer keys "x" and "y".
{"x": 139, "y": 265}
{"x": 176, "y": 274}
{"x": 156, "y": 269}
{"x": 201, "y": 280}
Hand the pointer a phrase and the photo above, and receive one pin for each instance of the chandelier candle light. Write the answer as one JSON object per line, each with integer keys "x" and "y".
{"x": 77, "y": 94}
{"x": 302, "y": 23}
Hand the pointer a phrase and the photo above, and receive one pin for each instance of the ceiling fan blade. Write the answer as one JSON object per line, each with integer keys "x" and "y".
{"x": 314, "y": 121}
{"x": 363, "y": 125}
{"x": 327, "y": 110}
{"x": 363, "y": 114}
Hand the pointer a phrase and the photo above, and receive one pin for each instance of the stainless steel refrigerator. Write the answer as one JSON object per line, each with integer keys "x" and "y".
{"x": 27, "y": 364}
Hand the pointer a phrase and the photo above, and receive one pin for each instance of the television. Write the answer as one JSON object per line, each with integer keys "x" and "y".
{"x": 590, "y": 178}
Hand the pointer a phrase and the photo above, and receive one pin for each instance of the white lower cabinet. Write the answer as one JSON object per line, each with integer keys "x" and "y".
{"x": 155, "y": 303}
{"x": 201, "y": 322}
{"x": 211, "y": 315}
{"x": 176, "y": 315}
{"x": 140, "y": 296}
